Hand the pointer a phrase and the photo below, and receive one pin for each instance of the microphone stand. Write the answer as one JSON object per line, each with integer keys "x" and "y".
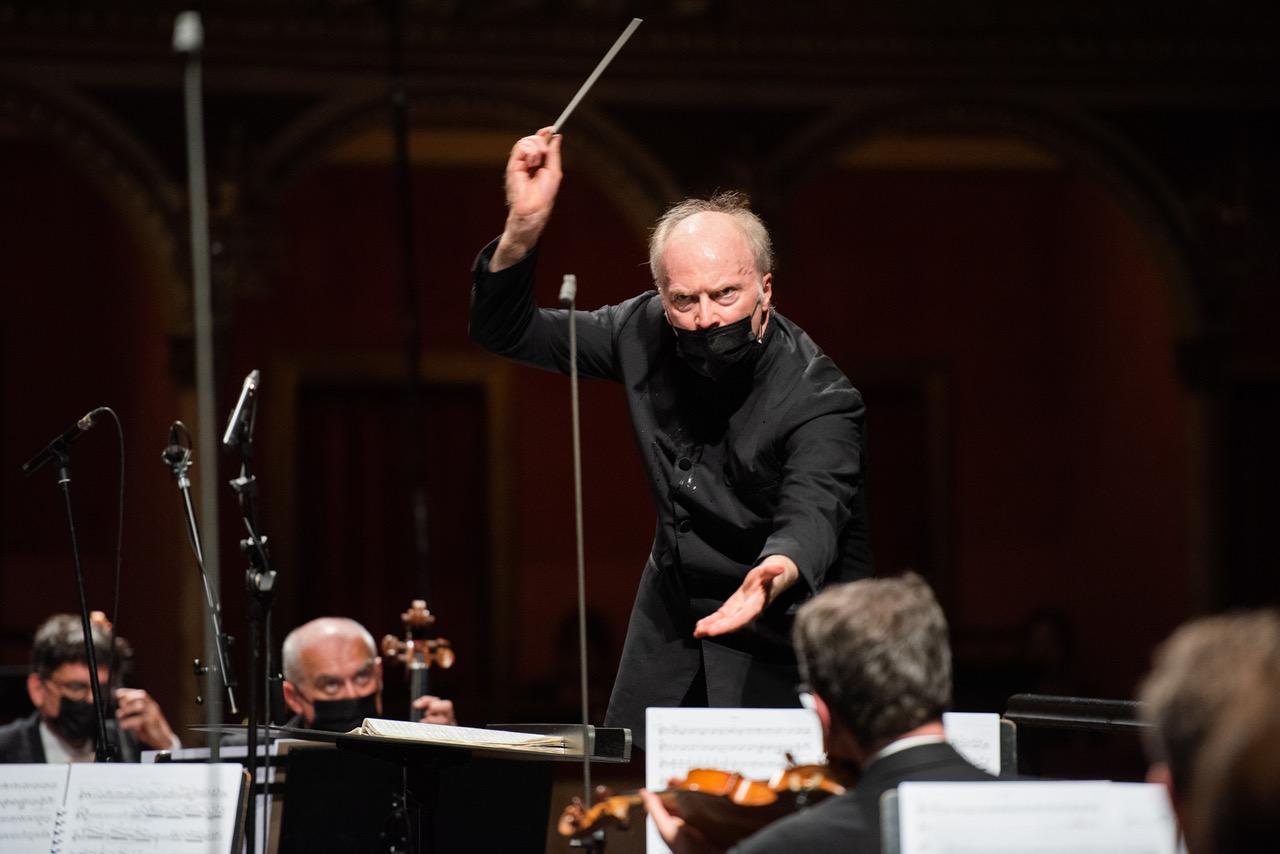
{"x": 59, "y": 452}
{"x": 259, "y": 578}
{"x": 178, "y": 458}
{"x": 594, "y": 843}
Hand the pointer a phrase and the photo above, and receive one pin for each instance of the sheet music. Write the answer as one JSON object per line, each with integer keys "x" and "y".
{"x": 753, "y": 742}
{"x": 1035, "y": 818}
{"x": 30, "y": 798}
{"x": 174, "y": 809}
{"x": 976, "y": 737}
{"x": 458, "y": 735}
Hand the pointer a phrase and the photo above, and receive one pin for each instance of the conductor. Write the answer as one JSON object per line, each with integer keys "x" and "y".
{"x": 751, "y": 438}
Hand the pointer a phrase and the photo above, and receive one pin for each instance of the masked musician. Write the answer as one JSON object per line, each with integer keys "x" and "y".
{"x": 876, "y": 658}
{"x": 333, "y": 678}
{"x": 64, "y": 724}
{"x": 751, "y": 439}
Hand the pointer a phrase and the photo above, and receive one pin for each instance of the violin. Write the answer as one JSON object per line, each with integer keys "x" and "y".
{"x": 724, "y": 805}
{"x": 416, "y": 652}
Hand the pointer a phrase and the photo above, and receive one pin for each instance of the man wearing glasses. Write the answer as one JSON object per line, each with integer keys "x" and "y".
{"x": 333, "y": 678}
{"x": 63, "y": 725}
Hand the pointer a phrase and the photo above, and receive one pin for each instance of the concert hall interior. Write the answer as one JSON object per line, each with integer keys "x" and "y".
{"x": 1040, "y": 238}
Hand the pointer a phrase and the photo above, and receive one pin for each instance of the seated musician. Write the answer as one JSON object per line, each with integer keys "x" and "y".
{"x": 333, "y": 678}
{"x": 64, "y": 724}
{"x": 876, "y": 658}
{"x": 1199, "y": 674}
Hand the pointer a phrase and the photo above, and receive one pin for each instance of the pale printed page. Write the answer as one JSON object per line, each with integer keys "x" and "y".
{"x": 752, "y": 742}
{"x": 1034, "y": 818}
{"x": 976, "y": 736}
{"x": 459, "y": 735}
{"x": 30, "y": 797}
{"x": 162, "y": 808}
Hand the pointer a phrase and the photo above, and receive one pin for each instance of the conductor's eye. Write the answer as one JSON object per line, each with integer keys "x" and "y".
{"x": 682, "y": 301}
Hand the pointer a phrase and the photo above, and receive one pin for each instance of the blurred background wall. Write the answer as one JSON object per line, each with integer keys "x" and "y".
{"x": 1039, "y": 237}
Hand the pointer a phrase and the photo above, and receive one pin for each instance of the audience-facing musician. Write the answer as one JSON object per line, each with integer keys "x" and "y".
{"x": 333, "y": 678}
{"x": 1202, "y": 670}
{"x": 64, "y": 724}
{"x": 877, "y": 660}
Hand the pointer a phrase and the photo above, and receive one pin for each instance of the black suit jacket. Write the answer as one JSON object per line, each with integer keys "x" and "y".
{"x": 850, "y": 823}
{"x": 20, "y": 741}
{"x": 768, "y": 461}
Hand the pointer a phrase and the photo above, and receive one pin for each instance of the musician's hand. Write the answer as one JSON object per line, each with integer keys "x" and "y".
{"x": 435, "y": 711}
{"x": 680, "y": 837}
{"x": 762, "y": 585}
{"x": 138, "y": 712}
{"x": 533, "y": 179}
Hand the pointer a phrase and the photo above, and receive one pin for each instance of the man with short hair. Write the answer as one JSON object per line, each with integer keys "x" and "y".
{"x": 1205, "y": 668}
{"x": 877, "y": 662}
{"x": 750, "y": 436}
{"x": 333, "y": 678}
{"x": 63, "y": 727}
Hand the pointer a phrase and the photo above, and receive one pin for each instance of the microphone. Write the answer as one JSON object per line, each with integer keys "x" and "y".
{"x": 569, "y": 290}
{"x": 176, "y": 453}
{"x": 240, "y": 424}
{"x": 188, "y": 33}
{"x": 58, "y": 446}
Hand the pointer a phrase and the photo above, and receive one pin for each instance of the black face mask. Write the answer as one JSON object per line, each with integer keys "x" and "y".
{"x": 716, "y": 352}
{"x": 344, "y": 715}
{"x": 76, "y": 721}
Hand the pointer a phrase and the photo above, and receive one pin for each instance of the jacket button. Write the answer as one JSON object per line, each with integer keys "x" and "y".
{"x": 684, "y": 526}
{"x": 684, "y": 463}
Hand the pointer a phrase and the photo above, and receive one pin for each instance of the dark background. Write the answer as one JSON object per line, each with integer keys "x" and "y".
{"x": 1040, "y": 237}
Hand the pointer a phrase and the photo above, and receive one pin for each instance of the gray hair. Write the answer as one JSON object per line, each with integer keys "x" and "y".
{"x": 1203, "y": 669}
{"x": 308, "y": 633}
{"x": 730, "y": 202}
{"x": 877, "y": 652}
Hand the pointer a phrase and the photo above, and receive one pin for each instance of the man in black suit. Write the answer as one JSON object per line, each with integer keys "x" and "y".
{"x": 750, "y": 436}
{"x": 63, "y": 725}
{"x": 878, "y": 664}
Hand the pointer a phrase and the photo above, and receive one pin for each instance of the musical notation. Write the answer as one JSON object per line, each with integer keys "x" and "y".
{"x": 30, "y": 797}
{"x": 119, "y": 809}
{"x": 176, "y": 809}
{"x": 752, "y": 742}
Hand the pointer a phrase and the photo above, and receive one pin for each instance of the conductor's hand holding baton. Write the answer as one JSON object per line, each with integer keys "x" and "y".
{"x": 533, "y": 179}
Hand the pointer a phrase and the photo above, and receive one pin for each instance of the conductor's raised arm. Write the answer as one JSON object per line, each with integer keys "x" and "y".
{"x": 533, "y": 179}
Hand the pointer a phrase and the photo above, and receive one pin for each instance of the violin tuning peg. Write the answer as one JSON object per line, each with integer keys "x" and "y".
{"x": 603, "y": 792}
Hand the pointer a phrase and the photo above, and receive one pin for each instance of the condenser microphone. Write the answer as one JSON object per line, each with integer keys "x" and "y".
{"x": 175, "y": 453}
{"x": 240, "y": 424}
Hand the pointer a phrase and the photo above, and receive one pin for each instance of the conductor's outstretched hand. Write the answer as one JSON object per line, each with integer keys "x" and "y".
{"x": 533, "y": 179}
{"x": 762, "y": 585}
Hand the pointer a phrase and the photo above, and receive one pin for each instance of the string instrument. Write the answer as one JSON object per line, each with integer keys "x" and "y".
{"x": 724, "y": 806}
{"x": 416, "y": 652}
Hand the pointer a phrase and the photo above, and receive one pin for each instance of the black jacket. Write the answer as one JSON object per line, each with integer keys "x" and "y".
{"x": 20, "y": 741}
{"x": 850, "y": 823}
{"x": 767, "y": 461}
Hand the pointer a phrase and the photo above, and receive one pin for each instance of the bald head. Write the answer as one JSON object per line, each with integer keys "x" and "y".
{"x": 688, "y": 219}
{"x": 321, "y": 640}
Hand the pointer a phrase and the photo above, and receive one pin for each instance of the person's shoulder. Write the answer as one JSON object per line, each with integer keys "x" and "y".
{"x": 830, "y": 826}
{"x": 939, "y": 762}
{"x": 812, "y": 384}
{"x": 16, "y": 738}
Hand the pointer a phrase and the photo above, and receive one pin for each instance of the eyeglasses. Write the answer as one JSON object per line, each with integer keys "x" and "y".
{"x": 74, "y": 690}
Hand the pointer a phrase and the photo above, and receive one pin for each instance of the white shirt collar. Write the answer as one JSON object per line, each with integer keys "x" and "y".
{"x": 902, "y": 744}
